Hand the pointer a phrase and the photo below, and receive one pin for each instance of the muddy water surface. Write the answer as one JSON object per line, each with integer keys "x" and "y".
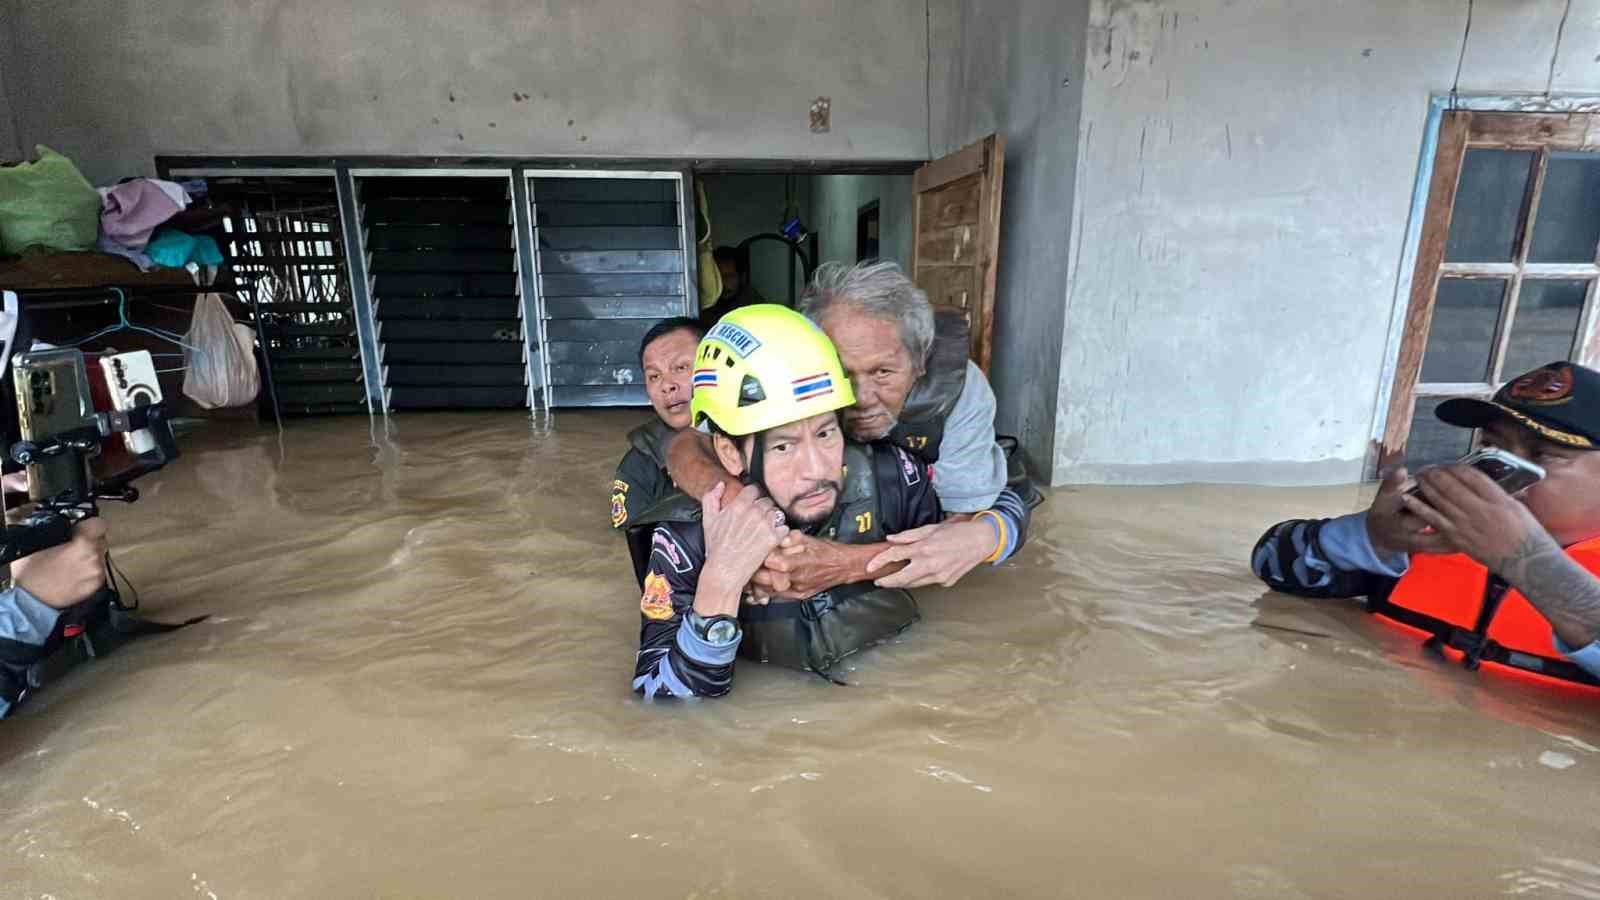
{"x": 415, "y": 684}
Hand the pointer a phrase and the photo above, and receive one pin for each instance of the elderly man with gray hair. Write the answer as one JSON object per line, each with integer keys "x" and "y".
{"x": 914, "y": 384}
{"x": 916, "y": 388}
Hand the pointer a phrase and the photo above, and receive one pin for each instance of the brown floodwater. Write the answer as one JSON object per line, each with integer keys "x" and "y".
{"x": 415, "y": 683}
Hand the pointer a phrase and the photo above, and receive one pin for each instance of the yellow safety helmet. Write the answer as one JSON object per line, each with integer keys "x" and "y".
{"x": 763, "y": 366}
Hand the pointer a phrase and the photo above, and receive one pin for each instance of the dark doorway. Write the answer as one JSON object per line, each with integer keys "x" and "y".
{"x": 867, "y": 232}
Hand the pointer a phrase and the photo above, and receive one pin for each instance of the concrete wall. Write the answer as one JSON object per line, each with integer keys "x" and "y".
{"x": 837, "y": 200}
{"x": 1245, "y": 175}
{"x": 10, "y": 146}
{"x": 113, "y": 83}
{"x": 1018, "y": 70}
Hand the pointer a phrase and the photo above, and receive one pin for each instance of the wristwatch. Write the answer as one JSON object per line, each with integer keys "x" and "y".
{"x": 718, "y": 631}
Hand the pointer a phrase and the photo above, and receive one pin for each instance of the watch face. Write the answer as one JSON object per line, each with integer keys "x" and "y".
{"x": 722, "y": 631}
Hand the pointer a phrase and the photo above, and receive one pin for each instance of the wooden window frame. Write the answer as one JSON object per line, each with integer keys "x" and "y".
{"x": 1569, "y": 125}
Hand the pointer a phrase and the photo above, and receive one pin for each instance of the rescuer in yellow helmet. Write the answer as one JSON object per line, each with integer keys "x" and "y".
{"x": 768, "y": 386}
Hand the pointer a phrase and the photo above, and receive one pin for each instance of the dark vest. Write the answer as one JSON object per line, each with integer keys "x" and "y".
{"x": 921, "y": 425}
{"x": 816, "y": 633}
{"x": 651, "y": 440}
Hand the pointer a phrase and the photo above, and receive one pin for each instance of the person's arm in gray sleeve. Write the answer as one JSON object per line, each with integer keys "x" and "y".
{"x": 1323, "y": 558}
{"x": 25, "y": 624}
{"x": 972, "y": 468}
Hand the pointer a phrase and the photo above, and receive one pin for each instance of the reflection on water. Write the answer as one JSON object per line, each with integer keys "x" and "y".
{"x": 415, "y": 684}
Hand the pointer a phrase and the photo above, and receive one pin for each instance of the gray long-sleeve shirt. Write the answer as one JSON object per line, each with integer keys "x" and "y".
{"x": 972, "y": 468}
{"x": 25, "y": 622}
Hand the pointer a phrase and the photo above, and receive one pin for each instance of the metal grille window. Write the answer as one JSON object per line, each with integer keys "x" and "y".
{"x": 1506, "y": 272}
{"x": 286, "y": 257}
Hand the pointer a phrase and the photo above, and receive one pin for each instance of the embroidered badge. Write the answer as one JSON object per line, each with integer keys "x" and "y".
{"x": 656, "y": 604}
{"x": 619, "y": 503}
{"x": 671, "y": 552}
{"x": 908, "y": 468}
{"x": 1543, "y": 386}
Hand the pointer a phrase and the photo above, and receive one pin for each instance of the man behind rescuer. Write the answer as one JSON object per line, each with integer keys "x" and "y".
{"x": 1436, "y": 559}
{"x": 666, "y": 354}
{"x": 769, "y": 385}
{"x": 914, "y": 387}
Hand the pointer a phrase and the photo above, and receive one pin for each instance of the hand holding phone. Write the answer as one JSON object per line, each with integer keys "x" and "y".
{"x": 1487, "y": 522}
{"x": 1511, "y": 472}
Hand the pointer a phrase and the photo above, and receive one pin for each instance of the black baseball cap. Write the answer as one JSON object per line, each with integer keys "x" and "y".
{"x": 1559, "y": 401}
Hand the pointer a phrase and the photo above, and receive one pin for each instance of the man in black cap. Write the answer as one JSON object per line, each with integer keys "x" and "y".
{"x": 1543, "y": 542}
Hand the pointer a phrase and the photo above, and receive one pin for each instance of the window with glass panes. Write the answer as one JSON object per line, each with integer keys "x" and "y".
{"x": 1506, "y": 270}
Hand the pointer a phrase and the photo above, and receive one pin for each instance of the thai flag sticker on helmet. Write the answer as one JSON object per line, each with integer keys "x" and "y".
{"x": 818, "y": 385}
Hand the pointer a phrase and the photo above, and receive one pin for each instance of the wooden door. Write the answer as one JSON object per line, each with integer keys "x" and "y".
{"x": 956, "y": 243}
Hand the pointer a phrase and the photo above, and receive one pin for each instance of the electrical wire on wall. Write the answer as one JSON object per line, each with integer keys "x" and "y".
{"x": 1561, "y": 31}
{"x": 1455, "y": 86}
{"x": 927, "y": 75}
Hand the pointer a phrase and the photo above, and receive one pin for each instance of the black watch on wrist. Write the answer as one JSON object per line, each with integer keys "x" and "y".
{"x": 718, "y": 631}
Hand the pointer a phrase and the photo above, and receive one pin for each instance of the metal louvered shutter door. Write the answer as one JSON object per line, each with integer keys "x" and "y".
{"x": 442, "y": 258}
{"x": 611, "y": 263}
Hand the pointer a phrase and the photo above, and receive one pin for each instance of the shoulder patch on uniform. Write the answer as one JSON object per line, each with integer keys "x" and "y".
{"x": 619, "y": 503}
{"x": 664, "y": 545}
{"x": 656, "y": 604}
{"x": 909, "y": 468}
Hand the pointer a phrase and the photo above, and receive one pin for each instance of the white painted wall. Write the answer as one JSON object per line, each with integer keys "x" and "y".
{"x": 112, "y": 83}
{"x": 836, "y": 201}
{"x": 1245, "y": 175}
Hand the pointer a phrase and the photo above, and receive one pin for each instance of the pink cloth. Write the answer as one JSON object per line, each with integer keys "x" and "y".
{"x": 131, "y": 211}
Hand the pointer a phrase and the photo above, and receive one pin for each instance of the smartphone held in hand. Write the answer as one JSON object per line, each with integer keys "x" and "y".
{"x": 1511, "y": 472}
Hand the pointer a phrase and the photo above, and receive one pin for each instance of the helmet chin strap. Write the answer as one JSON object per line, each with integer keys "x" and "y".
{"x": 755, "y": 466}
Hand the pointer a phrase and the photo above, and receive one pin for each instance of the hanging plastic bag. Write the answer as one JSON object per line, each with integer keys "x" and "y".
{"x": 220, "y": 357}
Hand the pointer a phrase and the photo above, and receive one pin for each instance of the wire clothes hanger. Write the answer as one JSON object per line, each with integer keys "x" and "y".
{"x": 123, "y": 323}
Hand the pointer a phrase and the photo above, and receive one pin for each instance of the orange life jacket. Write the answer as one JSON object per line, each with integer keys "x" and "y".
{"x": 1456, "y": 600}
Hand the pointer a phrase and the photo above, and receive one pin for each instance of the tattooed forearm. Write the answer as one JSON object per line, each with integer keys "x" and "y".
{"x": 1563, "y": 591}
